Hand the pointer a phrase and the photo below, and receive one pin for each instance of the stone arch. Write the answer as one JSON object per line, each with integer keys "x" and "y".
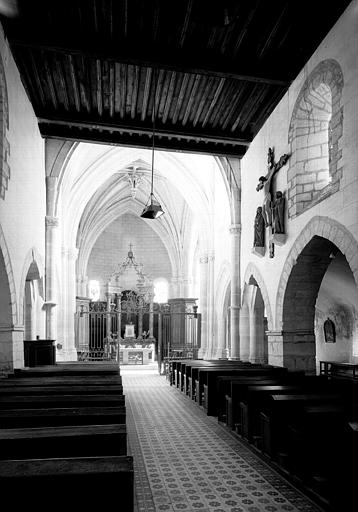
{"x": 253, "y": 271}
{"x": 300, "y": 281}
{"x": 34, "y": 267}
{"x": 4, "y": 126}
{"x": 9, "y": 307}
{"x": 326, "y": 228}
{"x": 315, "y": 138}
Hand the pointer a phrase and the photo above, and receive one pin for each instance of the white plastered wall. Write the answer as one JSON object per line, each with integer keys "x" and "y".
{"x": 340, "y": 44}
{"x": 22, "y": 211}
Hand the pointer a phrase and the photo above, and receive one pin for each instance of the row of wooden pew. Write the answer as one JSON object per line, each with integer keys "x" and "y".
{"x": 63, "y": 438}
{"x": 305, "y": 425}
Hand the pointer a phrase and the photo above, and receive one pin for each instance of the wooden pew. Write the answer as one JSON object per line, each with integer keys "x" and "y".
{"x": 68, "y": 369}
{"x": 52, "y": 417}
{"x": 78, "y": 380}
{"x": 26, "y": 401}
{"x": 207, "y": 387}
{"x": 278, "y": 409}
{"x": 64, "y": 441}
{"x": 185, "y": 371}
{"x": 239, "y": 387}
{"x": 225, "y": 383}
{"x": 321, "y": 445}
{"x": 198, "y": 376}
{"x": 61, "y": 390}
{"x": 68, "y": 483}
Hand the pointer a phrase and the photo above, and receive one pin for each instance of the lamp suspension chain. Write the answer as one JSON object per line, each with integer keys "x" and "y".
{"x": 153, "y": 123}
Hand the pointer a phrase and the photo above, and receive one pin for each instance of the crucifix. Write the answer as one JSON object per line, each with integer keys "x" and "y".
{"x": 266, "y": 183}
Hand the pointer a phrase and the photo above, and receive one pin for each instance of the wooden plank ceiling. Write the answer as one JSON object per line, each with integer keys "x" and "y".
{"x": 219, "y": 67}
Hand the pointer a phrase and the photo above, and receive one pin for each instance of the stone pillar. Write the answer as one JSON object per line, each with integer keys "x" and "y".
{"x": 244, "y": 333}
{"x": 82, "y": 286}
{"x": 203, "y": 305}
{"x": 51, "y": 237}
{"x": 151, "y": 338}
{"x": 296, "y": 350}
{"x": 68, "y": 352}
{"x": 11, "y": 348}
{"x": 140, "y": 324}
{"x": 174, "y": 288}
{"x": 211, "y": 306}
{"x": 119, "y": 320}
{"x": 235, "y": 231}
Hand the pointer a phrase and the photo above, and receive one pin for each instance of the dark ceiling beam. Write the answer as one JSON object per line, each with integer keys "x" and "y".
{"x": 173, "y": 64}
{"x": 205, "y": 137}
{"x": 69, "y": 133}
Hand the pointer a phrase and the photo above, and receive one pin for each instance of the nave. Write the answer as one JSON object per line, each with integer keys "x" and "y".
{"x": 185, "y": 460}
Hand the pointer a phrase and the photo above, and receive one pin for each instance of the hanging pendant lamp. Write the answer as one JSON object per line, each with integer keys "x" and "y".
{"x": 152, "y": 209}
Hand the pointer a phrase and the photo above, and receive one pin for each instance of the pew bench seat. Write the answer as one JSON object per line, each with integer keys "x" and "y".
{"x": 68, "y": 483}
{"x": 64, "y": 441}
{"x": 52, "y": 417}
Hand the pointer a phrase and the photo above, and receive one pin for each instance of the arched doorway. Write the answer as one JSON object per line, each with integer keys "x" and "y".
{"x": 34, "y": 324}
{"x": 319, "y": 308}
{"x": 253, "y": 324}
{"x": 6, "y": 319}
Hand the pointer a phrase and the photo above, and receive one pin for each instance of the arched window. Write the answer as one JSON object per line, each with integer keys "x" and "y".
{"x": 161, "y": 290}
{"x": 315, "y": 135}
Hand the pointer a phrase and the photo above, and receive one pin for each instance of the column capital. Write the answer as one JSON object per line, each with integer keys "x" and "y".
{"x": 235, "y": 229}
{"x": 51, "y": 221}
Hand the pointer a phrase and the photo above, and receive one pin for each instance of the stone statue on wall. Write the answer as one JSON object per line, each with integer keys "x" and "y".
{"x": 265, "y": 184}
{"x": 259, "y": 229}
{"x": 278, "y": 213}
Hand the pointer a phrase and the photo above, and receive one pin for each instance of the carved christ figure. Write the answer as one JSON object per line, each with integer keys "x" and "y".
{"x": 265, "y": 183}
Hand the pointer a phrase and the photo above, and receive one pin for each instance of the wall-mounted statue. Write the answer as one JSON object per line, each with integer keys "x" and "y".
{"x": 278, "y": 213}
{"x": 265, "y": 183}
{"x": 259, "y": 229}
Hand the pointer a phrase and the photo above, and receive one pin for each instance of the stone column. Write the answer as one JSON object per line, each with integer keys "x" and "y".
{"x": 119, "y": 319}
{"x": 68, "y": 352}
{"x": 235, "y": 231}
{"x": 203, "y": 304}
{"x": 296, "y": 350}
{"x": 151, "y": 338}
{"x": 244, "y": 333}
{"x": 174, "y": 288}
{"x": 211, "y": 348}
{"x": 140, "y": 324}
{"x": 51, "y": 241}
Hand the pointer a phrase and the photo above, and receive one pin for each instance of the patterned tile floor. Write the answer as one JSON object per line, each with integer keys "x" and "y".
{"x": 185, "y": 461}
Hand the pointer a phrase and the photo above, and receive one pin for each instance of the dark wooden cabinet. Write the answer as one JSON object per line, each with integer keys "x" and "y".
{"x": 39, "y": 352}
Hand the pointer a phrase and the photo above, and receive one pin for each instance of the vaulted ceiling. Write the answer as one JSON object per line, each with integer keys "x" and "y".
{"x": 213, "y": 69}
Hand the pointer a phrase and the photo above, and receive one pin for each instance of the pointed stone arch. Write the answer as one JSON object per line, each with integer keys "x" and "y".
{"x": 253, "y": 271}
{"x": 33, "y": 264}
{"x": 9, "y": 286}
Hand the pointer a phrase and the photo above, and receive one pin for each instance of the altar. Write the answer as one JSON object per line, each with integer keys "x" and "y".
{"x": 133, "y": 350}
{"x": 136, "y": 355}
